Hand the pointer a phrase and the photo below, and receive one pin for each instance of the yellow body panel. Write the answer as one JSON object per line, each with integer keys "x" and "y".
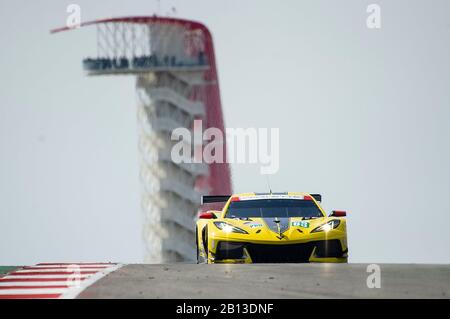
{"x": 258, "y": 233}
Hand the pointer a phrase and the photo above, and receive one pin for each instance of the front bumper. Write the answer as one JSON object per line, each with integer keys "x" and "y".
{"x": 332, "y": 250}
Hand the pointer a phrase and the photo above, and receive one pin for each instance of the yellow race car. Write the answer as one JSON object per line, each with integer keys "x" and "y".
{"x": 285, "y": 227}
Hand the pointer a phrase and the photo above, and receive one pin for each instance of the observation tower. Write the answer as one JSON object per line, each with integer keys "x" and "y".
{"x": 176, "y": 83}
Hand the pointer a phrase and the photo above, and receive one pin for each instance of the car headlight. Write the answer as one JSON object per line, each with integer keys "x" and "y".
{"x": 227, "y": 228}
{"x": 332, "y": 224}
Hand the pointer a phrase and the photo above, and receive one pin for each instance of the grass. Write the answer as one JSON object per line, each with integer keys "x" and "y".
{"x": 6, "y": 269}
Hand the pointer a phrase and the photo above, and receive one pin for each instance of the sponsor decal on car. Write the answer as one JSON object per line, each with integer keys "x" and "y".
{"x": 253, "y": 225}
{"x": 300, "y": 223}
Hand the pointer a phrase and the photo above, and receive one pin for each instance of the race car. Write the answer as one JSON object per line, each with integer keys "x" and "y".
{"x": 270, "y": 227}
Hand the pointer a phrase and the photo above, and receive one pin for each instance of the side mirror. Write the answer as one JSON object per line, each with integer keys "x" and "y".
{"x": 338, "y": 213}
{"x": 207, "y": 215}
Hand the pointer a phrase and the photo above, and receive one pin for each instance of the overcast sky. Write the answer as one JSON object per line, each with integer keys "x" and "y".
{"x": 364, "y": 118}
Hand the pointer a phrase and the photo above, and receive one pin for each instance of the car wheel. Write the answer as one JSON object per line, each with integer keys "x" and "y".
{"x": 196, "y": 246}
{"x": 205, "y": 243}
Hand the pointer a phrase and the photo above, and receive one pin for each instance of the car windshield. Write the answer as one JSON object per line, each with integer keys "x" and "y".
{"x": 273, "y": 208}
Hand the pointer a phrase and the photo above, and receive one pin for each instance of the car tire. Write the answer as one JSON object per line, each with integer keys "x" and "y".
{"x": 205, "y": 243}
{"x": 196, "y": 246}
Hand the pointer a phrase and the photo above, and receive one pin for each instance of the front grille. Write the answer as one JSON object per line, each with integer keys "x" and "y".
{"x": 292, "y": 253}
{"x": 282, "y": 253}
{"x": 229, "y": 250}
{"x": 329, "y": 248}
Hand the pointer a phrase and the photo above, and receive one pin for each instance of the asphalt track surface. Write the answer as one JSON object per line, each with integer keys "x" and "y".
{"x": 269, "y": 281}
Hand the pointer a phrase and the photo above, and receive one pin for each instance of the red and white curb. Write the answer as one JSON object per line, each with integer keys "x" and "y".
{"x": 53, "y": 280}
